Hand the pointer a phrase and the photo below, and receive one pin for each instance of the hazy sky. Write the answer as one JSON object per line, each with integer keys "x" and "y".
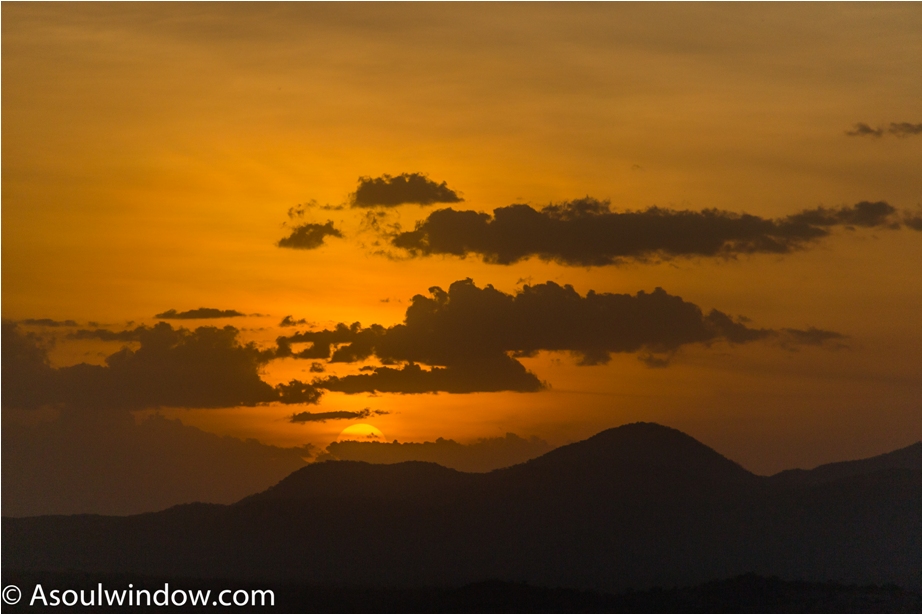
{"x": 154, "y": 156}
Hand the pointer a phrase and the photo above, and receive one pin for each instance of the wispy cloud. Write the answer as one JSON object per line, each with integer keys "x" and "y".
{"x": 202, "y": 313}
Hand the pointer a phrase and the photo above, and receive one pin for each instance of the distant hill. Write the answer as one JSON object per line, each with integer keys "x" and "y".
{"x": 637, "y": 506}
{"x": 906, "y": 458}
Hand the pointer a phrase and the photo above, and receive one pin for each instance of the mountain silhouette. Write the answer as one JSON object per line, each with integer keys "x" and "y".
{"x": 632, "y": 507}
{"x": 909, "y": 457}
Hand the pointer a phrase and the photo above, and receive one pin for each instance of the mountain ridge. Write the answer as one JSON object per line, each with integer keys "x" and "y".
{"x": 637, "y": 506}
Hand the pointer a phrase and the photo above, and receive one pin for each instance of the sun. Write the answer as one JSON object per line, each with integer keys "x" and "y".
{"x": 361, "y": 432}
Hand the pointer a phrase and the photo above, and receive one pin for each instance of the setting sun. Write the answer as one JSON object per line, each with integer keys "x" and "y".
{"x": 361, "y": 432}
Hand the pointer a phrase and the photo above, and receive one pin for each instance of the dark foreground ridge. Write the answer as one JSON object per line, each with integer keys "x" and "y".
{"x": 633, "y": 507}
{"x": 741, "y": 595}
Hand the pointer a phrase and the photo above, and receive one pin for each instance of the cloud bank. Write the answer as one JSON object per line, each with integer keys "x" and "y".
{"x": 470, "y": 338}
{"x": 47, "y": 322}
{"x": 408, "y": 188}
{"x": 207, "y": 367}
{"x": 587, "y": 232}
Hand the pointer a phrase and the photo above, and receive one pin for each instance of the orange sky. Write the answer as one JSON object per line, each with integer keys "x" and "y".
{"x": 150, "y": 153}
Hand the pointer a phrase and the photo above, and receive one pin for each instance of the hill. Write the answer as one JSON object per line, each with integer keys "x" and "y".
{"x": 637, "y": 506}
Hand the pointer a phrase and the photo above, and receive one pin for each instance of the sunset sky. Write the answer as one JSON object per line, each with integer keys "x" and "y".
{"x": 330, "y": 162}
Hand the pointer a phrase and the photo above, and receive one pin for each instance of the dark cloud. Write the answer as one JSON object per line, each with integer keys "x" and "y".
{"x": 298, "y": 392}
{"x": 290, "y": 321}
{"x": 913, "y": 221}
{"x": 408, "y": 188}
{"x": 898, "y": 129}
{"x": 202, "y": 313}
{"x": 493, "y": 374}
{"x": 904, "y": 129}
{"x": 866, "y": 214}
{"x": 815, "y": 336}
{"x": 207, "y": 367}
{"x": 26, "y": 371}
{"x": 862, "y": 129}
{"x": 47, "y": 322}
{"x": 309, "y": 236}
{"x": 470, "y": 337}
{"x": 587, "y": 232}
{"x": 481, "y": 456}
{"x": 103, "y": 463}
{"x": 306, "y": 416}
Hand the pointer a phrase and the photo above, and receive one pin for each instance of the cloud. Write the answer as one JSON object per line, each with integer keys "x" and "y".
{"x": 290, "y": 321}
{"x": 47, "y": 322}
{"x": 480, "y": 456}
{"x": 898, "y": 129}
{"x": 309, "y": 236}
{"x": 471, "y": 338}
{"x": 415, "y": 188}
{"x": 862, "y": 129}
{"x": 587, "y": 232}
{"x": 814, "y": 336}
{"x": 306, "y": 416}
{"x": 202, "y": 313}
{"x": 493, "y": 374}
{"x": 93, "y": 463}
{"x": 317, "y": 367}
{"x": 904, "y": 129}
{"x": 207, "y": 367}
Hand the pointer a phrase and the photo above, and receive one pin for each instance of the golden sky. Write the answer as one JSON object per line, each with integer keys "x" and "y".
{"x": 151, "y": 152}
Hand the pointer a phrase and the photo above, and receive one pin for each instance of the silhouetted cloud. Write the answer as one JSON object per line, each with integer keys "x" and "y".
{"x": 93, "y": 463}
{"x": 298, "y": 392}
{"x": 47, "y": 322}
{"x": 493, "y": 374}
{"x": 904, "y": 129}
{"x": 862, "y": 129}
{"x": 587, "y": 232}
{"x": 408, "y": 188}
{"x": 26, "y": 371}
{"x": 309, "y": 236}
{"x": 866, "y": 214}
{"x": 290, "y": 321}
{"x": 898, "y": 129}
{"x": 306, "y": 416}
{"x": 814, "y": 336}
{"x": 470, "y": 337}
{"x": 317, "y": 367}
{"x": 202, "y": 313}
{"x": 207, "y": 367}
{"x": 480, "y": 456}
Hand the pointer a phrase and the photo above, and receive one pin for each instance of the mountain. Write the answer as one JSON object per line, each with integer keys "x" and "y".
{"x": 637, "y": 506}
{"x": 906, "y": 458}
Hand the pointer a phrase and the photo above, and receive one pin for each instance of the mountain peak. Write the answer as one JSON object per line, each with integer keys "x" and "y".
{"x": 641, "y": 447}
